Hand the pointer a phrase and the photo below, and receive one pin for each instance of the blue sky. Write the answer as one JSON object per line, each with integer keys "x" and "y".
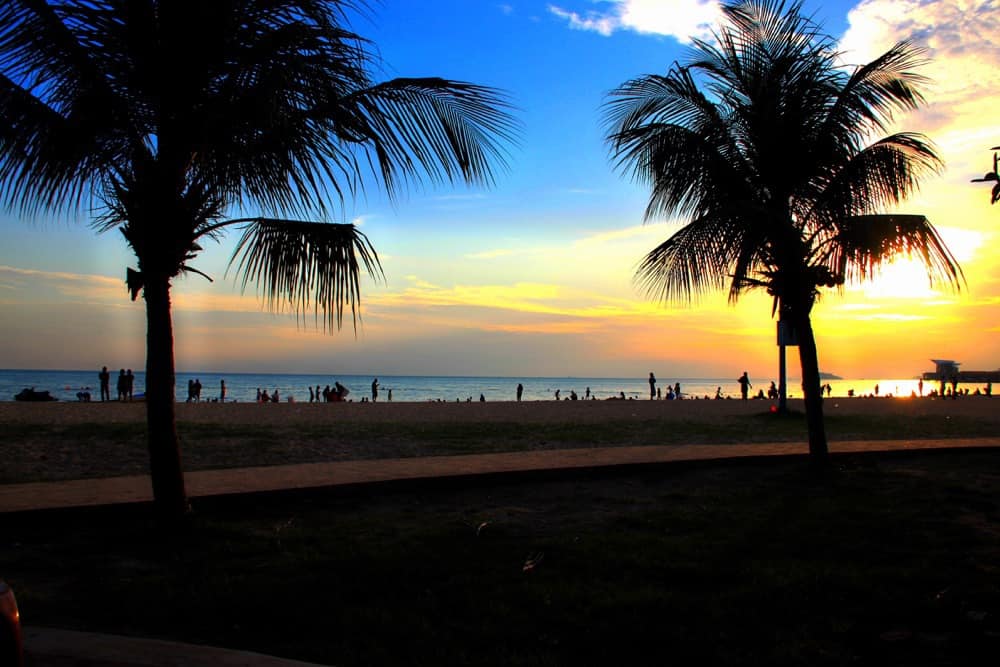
{"x": 533, "y": 276}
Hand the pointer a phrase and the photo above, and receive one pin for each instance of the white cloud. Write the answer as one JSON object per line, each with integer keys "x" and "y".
{"x": 963, "y": 68}
{"x": 680, "y": 19}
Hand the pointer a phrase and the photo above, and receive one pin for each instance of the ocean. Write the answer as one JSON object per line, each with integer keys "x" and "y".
{"x": 242, "y": 387}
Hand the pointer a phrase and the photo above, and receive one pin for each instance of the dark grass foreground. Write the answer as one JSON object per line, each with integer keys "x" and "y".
{"x": 891, "y": 560}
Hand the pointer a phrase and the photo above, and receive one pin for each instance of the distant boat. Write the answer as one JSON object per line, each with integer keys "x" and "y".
{"x": 946, "y": 370}
{"x": 32, "y": 396}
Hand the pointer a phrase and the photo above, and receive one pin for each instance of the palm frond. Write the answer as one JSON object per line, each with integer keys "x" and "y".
{"x": 868, "y": 100}
{"x": 301, "y": 266}
{"x": 697, "y": 259}
{"x": 866, "y": 243}
{"x": 447, "y": 130}
{"x": 879, "y": 176}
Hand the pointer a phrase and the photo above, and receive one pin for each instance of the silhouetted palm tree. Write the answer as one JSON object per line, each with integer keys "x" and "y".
{"x": 992, "y": 176}
{"x": 760, "y": 142}
{"x": 165, "y": 116}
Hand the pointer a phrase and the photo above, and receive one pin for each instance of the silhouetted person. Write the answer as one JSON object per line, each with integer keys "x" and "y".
{"x": 557, "y": 394}
{"x": 652, "y": 386}
{"x": 191, "y": 391}
{"x": 520, "y": 390}
{"x": 122, "y": 385}
{"x": 105, "y": 378}
{"x": 197, "y": 390}
{"x": 274, "y": 396}
{"x": 876, "y": 390}
{"x": 989, "y": 389}
{"x": 374, "y": 390}
{"x": 677, "y": 389}
{"x": 954, "y": 387}
{"x": 222, "y": 391}
{"x": 744, "y": 385}
{"x": 587, "y": 395}
{"x": 772, "y": 391}
{"x": 482, "y": 398}
{"x": 920, "y": 386}
{"x": 264, "y": 398}
{"x": 129, "y": 383}
{"x": 572, "y": 395}
{"x": 718, "y": 393}
{"x": 340, "y": 391}
{"x": 312, "y": 396}
{"x": 389, "y": 395}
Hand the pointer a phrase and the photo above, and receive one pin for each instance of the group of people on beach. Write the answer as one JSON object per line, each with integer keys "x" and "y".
{"x": 126, "y": 382}
{"x": 329, "y": 395}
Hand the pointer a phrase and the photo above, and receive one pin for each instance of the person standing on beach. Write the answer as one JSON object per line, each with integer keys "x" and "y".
{"x": 652, "y": 386}
{"x": 520, "y": 390}
{"x": 105, "y": 377}
{"x": 222, "y": 391}
{"x": 129, "y": 383}
{"x": 374, "y": 390}
{"x": 121, "y": 384}
{"x": 744, "y": 385}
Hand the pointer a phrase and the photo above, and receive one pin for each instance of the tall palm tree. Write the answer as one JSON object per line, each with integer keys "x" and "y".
{"x": 761, "y": 141}
{"x": 168, "y": 116}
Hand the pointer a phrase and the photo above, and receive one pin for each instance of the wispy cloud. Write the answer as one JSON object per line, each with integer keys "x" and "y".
{"x": 681, "y": 19}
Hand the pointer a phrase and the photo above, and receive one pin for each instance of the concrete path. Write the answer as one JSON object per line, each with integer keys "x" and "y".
{"x": 137, "y": 489}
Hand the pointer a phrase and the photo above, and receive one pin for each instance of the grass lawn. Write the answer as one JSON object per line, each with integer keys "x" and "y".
{"x": 890, "y": 560}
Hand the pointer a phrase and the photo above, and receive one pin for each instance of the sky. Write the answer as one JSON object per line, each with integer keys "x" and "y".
{"x": 534, "y": 276}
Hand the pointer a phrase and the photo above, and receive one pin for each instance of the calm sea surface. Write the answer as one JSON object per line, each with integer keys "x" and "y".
{"x": 242, "y": 387}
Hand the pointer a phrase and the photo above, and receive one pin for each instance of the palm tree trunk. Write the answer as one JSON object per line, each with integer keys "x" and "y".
{"x": 165, "y": 470}
{"x": 818, "y": 450}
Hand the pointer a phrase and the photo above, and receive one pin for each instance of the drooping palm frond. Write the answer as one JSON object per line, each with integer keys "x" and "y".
{"x": 301, "y": 266}
{"x": 699, "y": 258}
{"x": 866, "y": 243}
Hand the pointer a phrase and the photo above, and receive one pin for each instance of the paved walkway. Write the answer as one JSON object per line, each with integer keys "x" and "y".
{"x": 49, "y": 647}
{"x": 137, "y": 489}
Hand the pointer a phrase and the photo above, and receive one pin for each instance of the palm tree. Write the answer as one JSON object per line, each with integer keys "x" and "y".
{"x": 164, "y": 117}
{"x": 992, "y": 176}
{"x": 761, "y": 141}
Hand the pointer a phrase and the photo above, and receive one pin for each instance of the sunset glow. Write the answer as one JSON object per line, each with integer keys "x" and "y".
{"x": 535, "y": 276}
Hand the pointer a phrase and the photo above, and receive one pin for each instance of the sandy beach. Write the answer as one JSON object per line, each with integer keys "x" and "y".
{"x": 530, "y": 412}
{"x": 71, "y": 440}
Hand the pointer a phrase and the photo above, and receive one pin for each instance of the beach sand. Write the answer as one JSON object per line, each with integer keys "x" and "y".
{"x": 541, "y": 412}
{"x": 70, "y": 440}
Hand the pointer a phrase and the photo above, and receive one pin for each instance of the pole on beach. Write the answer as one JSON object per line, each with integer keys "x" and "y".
{"x": 786, "y": 337}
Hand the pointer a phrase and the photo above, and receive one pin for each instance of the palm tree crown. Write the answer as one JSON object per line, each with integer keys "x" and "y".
{"x": 763, "y": 143}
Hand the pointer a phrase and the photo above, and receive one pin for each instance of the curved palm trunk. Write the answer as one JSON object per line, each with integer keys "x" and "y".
{"x": 809, "y": 360}
{"x": 164, "y": 448}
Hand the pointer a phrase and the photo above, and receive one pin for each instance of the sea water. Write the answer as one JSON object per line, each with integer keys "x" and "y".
{"x": 242, "y": 387}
